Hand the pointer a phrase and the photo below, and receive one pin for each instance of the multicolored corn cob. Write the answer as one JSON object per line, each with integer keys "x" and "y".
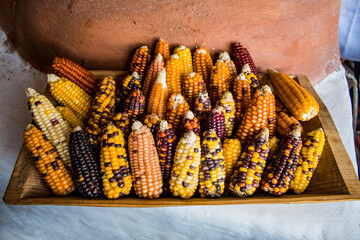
{"x": 174, "y": 73}
{"x": 184, "y": 54}
{"x": 191, "y": 123}
{"x": 144, "y": 161}
{"x": 176, "y": 110}
{"x": 50, "y": 121}
{"x": 152, "y": 74}
{"x": 84, "y": 164}
{"x": 70, "y": 95}
{"x": 280, "y": 171}
{"x": 114, "y": 165}
{"x": 271, "y": 120}
{"x": 309, "y": 159}
{"x": 122, "y": 122}
{"x": 135, "y": 105}
{"x": 232, "y": 152}
{"x": 185, "y": 172}
{"x": 129, "y": 83}
{"x": 228, "y": 105}
{"x": 203, "y": 64}
{"x": 66, "y": 68}
{"x": 242, "y": 96}
{"x": 247, "y": 175}
{"x": 241, "y": 57}
{"x": 103, "y": 109}
{"x": 152, "y": 121}
{"x": 140, "y": 61}
{"x": 286, "y": 123}
{"x": 192, "y": 87}
{"x": 70, "y": 117}
{"x": 165, "y": 145}
{"x": 216, "y": 121}
{"x": 231, "y": 65}
{"x": 274, "y": 145}
{"x": 219, "y": 81}
{"x": 202, "y": 106}
{"x": 162, "y": 47}
{"x": 48, "y": 162}
{"x": 254, "y": 81}
{"x": 158, "y": 96}
{"x": 212, "y": 170}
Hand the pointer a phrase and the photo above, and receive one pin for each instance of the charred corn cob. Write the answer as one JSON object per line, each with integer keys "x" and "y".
{"x": 162, "y": 47}
{"x": 300, "y": 102}
{"x": 308, "y": 161}
{"x": 192, "y": 87}
{"x": 103, "y": 109}
{"x": 152, "y": 74}
{"x": 228, "y": 105}
{"x": 158, "y": 96}
{"x": 185, "y": 172}
{"x": 242, "y": 96}
{"x": 271, "y": 120}
{"x": 202, "y": 106}
{"x": 84, "y": 164}
{"x": 250, "y": 167}
{"x": 66, "y": 68}
{"x": 122, "y": 122}
{"x": 165, "y": 145}
{"x": 232, "y": 152}
{"x": 70, "y": 117}
{"x": 219, "y": 81}
{"x": 241, "y": 57}
{"x": 279, "y": 173}
{"x": 173, "y": 74}
{"x": 70, "y": 95}
{"x": 114, "y": 165}
{"x": 176, "y": 110}
{"x": 212, "y": 170}
{"x": 50, "y": 121}
{"x": 286, "y": 123}
{"x": 130, "y": 83}
{"x": 253, "y": 79}
{"x": 191, "y": 123}
{"x": 144, "y": 161}
{"x": 152, "y": 121}
{"x": 273, "y": 145}
{"x": 216, "y": 121}
{"x": 48, "y": 162}
{"x": 184, "y": 54}
{"x": 203, "y": 64}
{"x": 231, "y": 65}
{"x": 135, "y": 105}
{"x": 140, "y": 61}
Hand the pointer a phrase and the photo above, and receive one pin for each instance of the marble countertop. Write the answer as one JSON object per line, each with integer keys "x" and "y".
{"x": 340, "y": 220}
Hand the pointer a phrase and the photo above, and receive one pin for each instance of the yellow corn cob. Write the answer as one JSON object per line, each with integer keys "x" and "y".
{"x": 114, "y": 165}
{"x": 191, "y": 123}
{"x": 202, "y": 107}
{"x": 70, "y": 117}
{"x": 232, "y": 151}
{"x": 140, "y": 61}
{"x": 184, "y": 54}
{"x": 50, "y": 121}
{"x": 176, "y": 110}
{"x": 162, "y": 47}
{"x": 122, "y": 122}
{"x": 203, "y": 64}
{"x": 231, "y": 65}
{"x": 152, "y": 121}
{"x": 48, "y": 162}
{"x": 254, "y": 81}
{"x": 242, "y": 96}
{"x": 219, "y": 81}
{"x": 130, "y": 83}
{"x": 152, "y": 74}
{"x": 185, "y": 172}
{"x": 308, "y": 161}
{"x": 70, "y": 95}
{"x": 103, "y": 109}
{"x": 158, "y": 96}
{"x": 173, "y": 74}
{"x": 192, "y": 87}
{"x": 272, "y": 116}
{"x": 144, "y": 161}
{"x": 212, "y": 170}
{"x": 228, "y": 105}
{"x": 273, "y": 144}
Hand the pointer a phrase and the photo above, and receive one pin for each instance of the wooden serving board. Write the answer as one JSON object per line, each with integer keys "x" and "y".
{"x": 334, "y": 179}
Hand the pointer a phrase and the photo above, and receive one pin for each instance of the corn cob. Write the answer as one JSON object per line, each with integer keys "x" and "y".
{"x": 228, "y": 105}
{"x": 70, "y": 117}
{"x": 216, "y": 121}
{"x": 165, "y": 144}
{"x": 273, "y": 145}
{"x": 48, "y": 162}
{"x": 279, "y": 173}
{"x": 173, "y": 74}
{"x": 286, "y": 123}
{"x": 140, "y": 61}
{"x": 255, "y": 117}
{"x": 176, "y": 110}
{"x": 84, "y": 164}
{"x": 152, "y": 74}
{"x": 242, "y": 96}
{"x": 162, "y": 47}
{"x": 103, "y": 109}
{"x": 66, "y": 68}
{"x": 144, "y": 161}
{"x": 184, "y": 54}
{"x": 50, "y": 121}
{"x": 212, "y": 170}
{"x": 130, "y": 83}
{"x": 202, "y": 106}
{"x": 114, "y": 165}
{"x": 241, "y": 57}
{"x": 297, "y": 100}
{"x": 254, "y": 81}
{"x": 271, "y": 120}
{"x": 203, "y": 64}
{"x": 231, "y": 65}
{"x": 192, "y": 87}
{"x": 122, "y": 122}
{"x": 158, "y": 96}
{"x": 191, "y": 123}
{"x": 152, "y": 121}
{"x": 247, "y": 175}
{"x": 70, "y": 95}
{"x": 219, "y": 81}
{"x": 308, "y": 161}
{"x": 232, "y": 151}
{"x": 135, "y": 105}
{"x": 185, "y": 172}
